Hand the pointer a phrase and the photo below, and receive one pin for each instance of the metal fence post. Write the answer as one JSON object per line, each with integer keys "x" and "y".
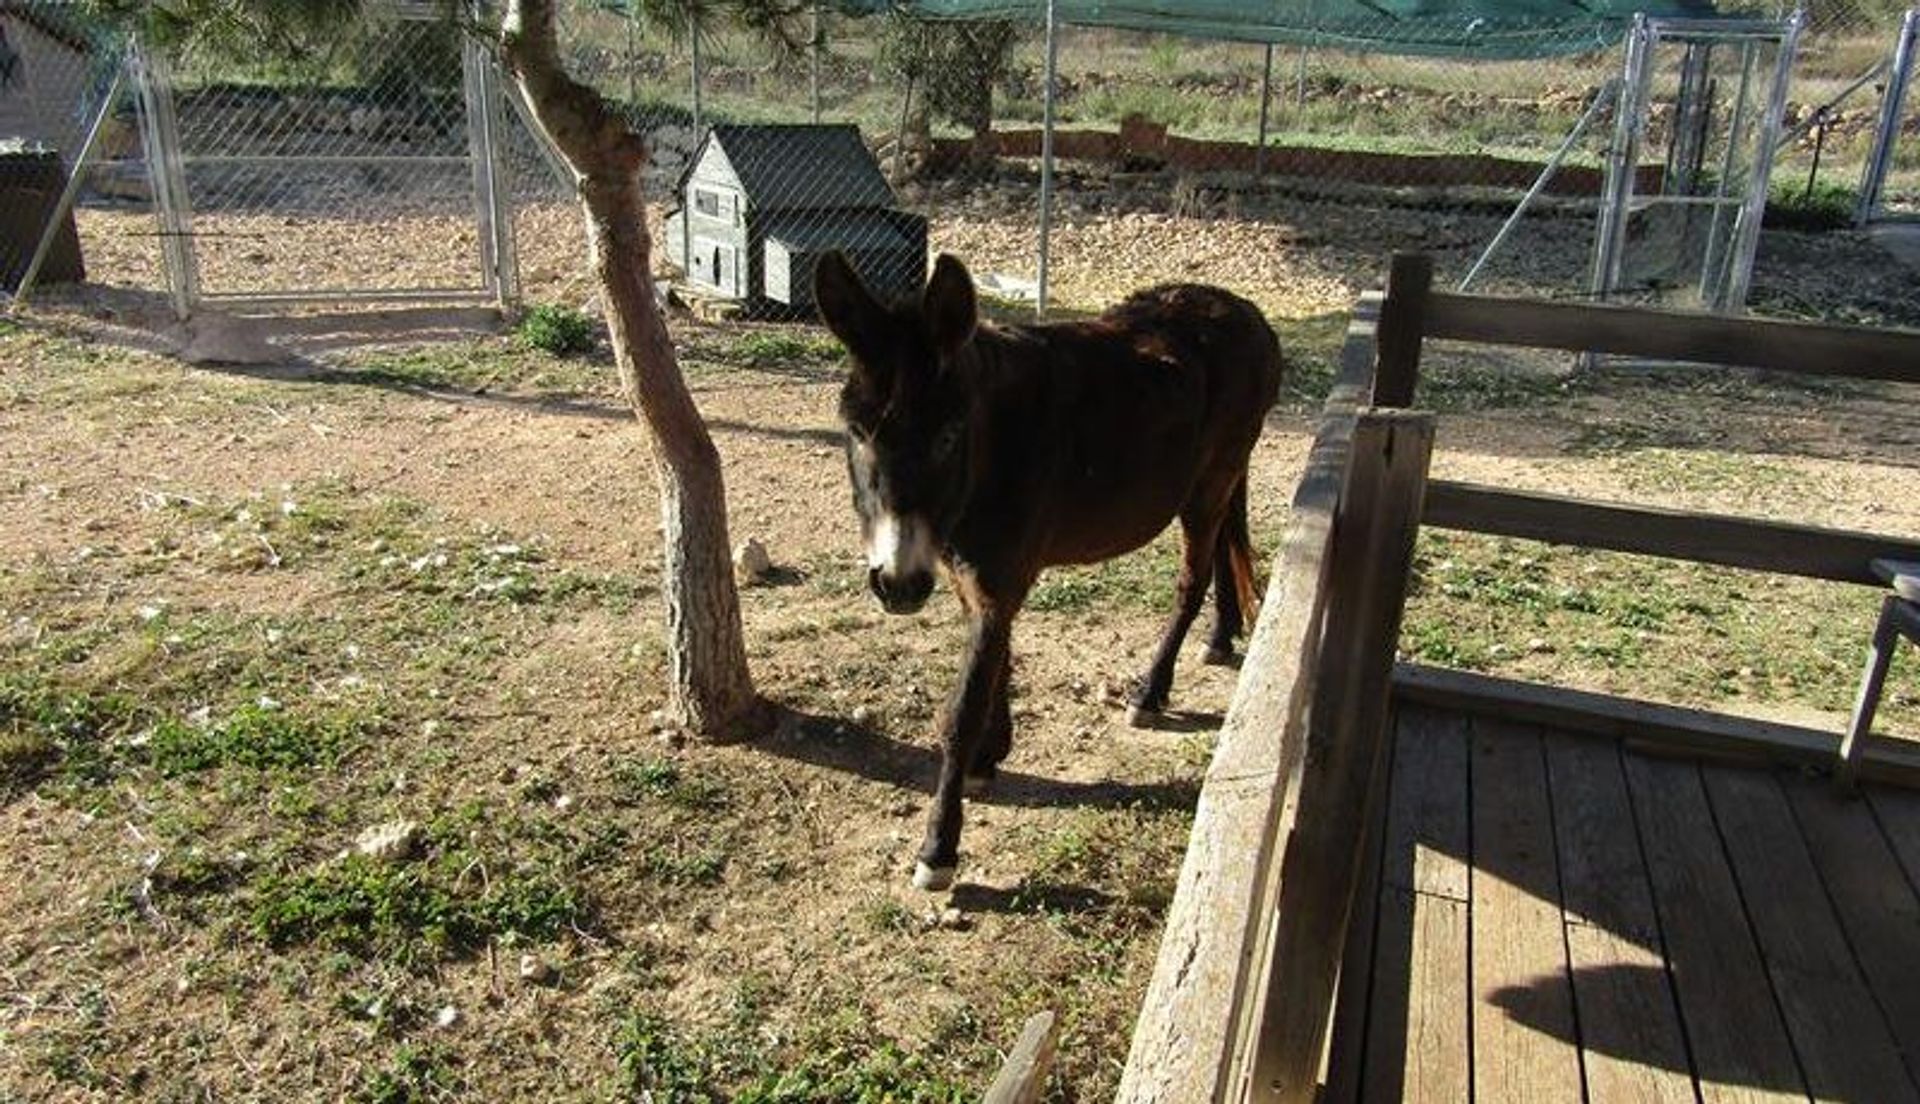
{"x": 1266, "y": 100}
{"x": 160, "y": 135}
{"x": 75, "y": 178}
{"x": 485, "y": 127}
{"x": 1899, "y": 78}
{"x": 1046, "y": 160}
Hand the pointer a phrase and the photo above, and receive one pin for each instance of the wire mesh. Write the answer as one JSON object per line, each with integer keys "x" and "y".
{"x": 353, "y": 171}
{"x": 1285, "y": 173}
{"x": 57, "y": 89}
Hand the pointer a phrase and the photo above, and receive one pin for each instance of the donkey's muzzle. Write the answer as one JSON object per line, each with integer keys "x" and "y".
{"x": 900, "y": 593}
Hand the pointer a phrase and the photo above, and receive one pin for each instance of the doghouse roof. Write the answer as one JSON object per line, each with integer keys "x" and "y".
{"x": 798, "y": 167}
{"x": 53, "y": 23}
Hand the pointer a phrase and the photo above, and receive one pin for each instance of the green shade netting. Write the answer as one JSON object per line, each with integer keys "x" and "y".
{"x": 1468, "y": 29}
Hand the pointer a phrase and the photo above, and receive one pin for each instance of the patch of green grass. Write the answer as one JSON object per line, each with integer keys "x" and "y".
{"x": 413, "y": 1075}
{"x": 659, "y": 1061}
{"x": 1139, "y": 580}
{"x": 660, "y": 779}
{"x": 46, "y": 728}
{"x": 675, "y": 865}
{"x": 259, "y": 736}
{"x": 559, "y": 330}
{"x": 784, "y": 349}
{"x": 1686, "y": 633}
{"x": 454, "y": 899}
{"x": 1791, "y": 205}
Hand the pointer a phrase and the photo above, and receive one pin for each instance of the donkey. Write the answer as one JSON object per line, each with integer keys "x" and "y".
{"x": 995, "y": 452}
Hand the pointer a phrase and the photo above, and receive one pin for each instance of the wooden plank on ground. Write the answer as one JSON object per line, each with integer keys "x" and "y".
{"x": 1418, "y": 1046}
{"x": 1524, "y": 1044}
{"x": 1877, "y": 906}
{"x": 1687, "y": 730}
{"x": 1630, "y": 1038}
{"x": 1811, "y": 348}
{"x": 1843, "y": 555}
{"x": 1023, "y": 1078}
{"x": 1740, "y": 1047}
{"x": 1842, "y": 1040}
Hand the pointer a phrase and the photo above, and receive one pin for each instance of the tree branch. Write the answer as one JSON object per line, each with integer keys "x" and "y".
{"x": 595, "y": 138}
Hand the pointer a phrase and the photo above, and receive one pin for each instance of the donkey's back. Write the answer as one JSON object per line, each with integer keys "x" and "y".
{"x": 1126, "y": 419}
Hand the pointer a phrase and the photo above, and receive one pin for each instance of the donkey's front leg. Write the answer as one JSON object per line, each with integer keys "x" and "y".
{"x": 964, "y": 727}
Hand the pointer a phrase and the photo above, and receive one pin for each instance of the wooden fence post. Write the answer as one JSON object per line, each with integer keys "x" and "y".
{"x": 1329, "y": 790}
{"x": 1402, "y": 320}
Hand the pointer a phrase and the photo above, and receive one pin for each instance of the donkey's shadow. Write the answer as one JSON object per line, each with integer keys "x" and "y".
{"x": 842, "y": 745}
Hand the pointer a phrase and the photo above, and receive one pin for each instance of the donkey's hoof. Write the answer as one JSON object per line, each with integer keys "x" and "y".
{"x": 1141, "y": 716}
{"x": 976, "y": 786}
{"x": 932, "y": 878}
{"x": 1220, "y": 657}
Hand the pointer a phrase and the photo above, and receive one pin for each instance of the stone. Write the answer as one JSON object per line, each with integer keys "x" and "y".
{"x": 214, "y": 338}
{"x": 394, "y": 841}
{"x": 751, "y": 564}
{"x": 535, "y": 970}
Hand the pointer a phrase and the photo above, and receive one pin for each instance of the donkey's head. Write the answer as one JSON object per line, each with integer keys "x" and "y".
{"x": 909, "y": 416}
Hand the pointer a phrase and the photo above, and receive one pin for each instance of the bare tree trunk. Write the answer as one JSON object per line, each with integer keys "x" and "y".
{"x": 712, "y": 689}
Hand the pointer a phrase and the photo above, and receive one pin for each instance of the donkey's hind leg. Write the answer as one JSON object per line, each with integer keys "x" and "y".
{"x": 1200, "y": 530}
{"x": 1232, "y": 579}
{"x": 996, "y": 742}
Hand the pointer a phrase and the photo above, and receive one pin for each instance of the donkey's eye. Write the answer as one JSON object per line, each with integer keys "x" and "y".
{"x": 944, "y": 444}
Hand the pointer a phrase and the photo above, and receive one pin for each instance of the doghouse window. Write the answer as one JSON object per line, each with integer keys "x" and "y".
{"x": 708, "y": 203}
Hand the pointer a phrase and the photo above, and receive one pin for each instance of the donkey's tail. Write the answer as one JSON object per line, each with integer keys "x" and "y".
{"x": 1238, "y": 541}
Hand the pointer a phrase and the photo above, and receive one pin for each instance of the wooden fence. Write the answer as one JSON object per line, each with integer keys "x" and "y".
{"x": 1243, "y": 988}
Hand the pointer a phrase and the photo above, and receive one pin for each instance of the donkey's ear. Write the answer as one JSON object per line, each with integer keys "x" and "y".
{"x": 951, "y": 310}
{"x": 846, "y": 306}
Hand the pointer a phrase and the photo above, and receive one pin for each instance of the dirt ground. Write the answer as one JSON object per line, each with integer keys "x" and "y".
{"x": 191, "y": 542}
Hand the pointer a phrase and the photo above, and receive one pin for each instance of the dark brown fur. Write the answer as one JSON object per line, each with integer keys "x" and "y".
{"x": 1030, "y": 446}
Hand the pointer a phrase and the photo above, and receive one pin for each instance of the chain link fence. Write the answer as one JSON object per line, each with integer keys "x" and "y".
{"x": 387, "y": 166}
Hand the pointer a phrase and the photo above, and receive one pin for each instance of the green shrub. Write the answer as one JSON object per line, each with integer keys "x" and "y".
{"x": 1793, "y": 206}
{"x": 555, "y": 329}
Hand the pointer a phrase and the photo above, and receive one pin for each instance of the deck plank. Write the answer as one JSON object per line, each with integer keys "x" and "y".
{"x": 1839, "y": 1034}
{"x": 1524, "y": 1047}
{"x": 1740, "y": 1047}
{"x": 1417, "y": 1029}
{"x": 1629, "y": 1025}
{"x": 1877, "y": 906}
{"x": 1898, "y": 812}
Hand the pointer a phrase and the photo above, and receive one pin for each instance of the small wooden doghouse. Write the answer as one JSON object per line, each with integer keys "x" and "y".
{"x": 765, "y": 202}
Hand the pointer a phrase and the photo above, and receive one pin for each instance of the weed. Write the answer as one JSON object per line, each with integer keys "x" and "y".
{"x": 559, "y": 330}
{"x": 884, "y": 914}
{"x": 663, "y": 779}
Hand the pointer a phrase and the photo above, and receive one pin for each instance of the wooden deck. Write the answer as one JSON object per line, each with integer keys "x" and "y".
{"x": 1551, "y": 917}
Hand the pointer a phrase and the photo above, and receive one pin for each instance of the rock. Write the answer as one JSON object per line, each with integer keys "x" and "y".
{"x": 751, "y": 564}
{"x": 861, "y": 715}
{"x": 213, "y": 338}
{"x": 446, "y": 1017}
{"x": 394, "y": 841}
{"x": 952, "y": 919}
{"x": 535, "y": 970}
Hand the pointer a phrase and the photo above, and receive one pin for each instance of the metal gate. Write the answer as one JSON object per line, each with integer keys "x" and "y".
{"x": 1702, "y": 99}
{"x": 1881, "y": 197}
{"x": 368, "y": 175}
